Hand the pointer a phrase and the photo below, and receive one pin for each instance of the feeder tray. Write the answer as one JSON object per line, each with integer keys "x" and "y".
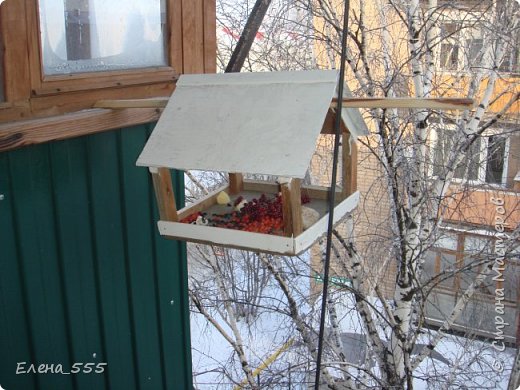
{"x": 259, "y": 123}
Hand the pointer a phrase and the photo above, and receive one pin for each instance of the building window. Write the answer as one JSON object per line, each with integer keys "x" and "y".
{"x": 462, "y": 48}
{"x": 449, "y": 50}
{"x": 96, "y": 35}
{"x": 461, "y": 263}
{"x": 511, "y": 60}
{"x": 485, "y": 162}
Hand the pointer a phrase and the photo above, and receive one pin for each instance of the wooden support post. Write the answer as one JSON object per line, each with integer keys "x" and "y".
{"x": 236, "y": 183}
{"x": 292, "y": 207}
{"x": 349, "y": 162}
{"x": 162, "y": 184}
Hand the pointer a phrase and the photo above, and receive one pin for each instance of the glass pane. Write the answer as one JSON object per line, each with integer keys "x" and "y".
{"x": 495, "y": 159}
{"x": 511, "y": 59}
{"x": 442, "y": 150}
{"x": 468, "y": 169}
{"x": 449, "y": 56}
{"x": 478, "y": 245}
{"x": 99, "y": 35}
{"x": 447, "y": 241}
{"x": 429, "y": 264}
{"x": 474, "y": 47}
{"x": 449, "y": 53}
{"x": 512, "y": 280}
{"x": 472, "y": 268}
{"x": 448, "y": 265}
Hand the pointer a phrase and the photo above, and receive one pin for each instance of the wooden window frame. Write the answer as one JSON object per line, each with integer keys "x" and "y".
{"x": 39, "y": 109}
{"x": 48, "y": 85}
{"x": 459, "y": 254}
{"x": 31, "y": 94}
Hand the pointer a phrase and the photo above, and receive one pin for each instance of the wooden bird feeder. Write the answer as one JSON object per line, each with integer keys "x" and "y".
{"x": 257, "y": 123}
{"x": 261, "y": 123}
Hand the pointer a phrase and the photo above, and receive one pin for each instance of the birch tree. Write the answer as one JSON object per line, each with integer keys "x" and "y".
{"x": 425, "y": 167}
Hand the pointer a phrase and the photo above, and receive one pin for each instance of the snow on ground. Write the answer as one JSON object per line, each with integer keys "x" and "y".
{"x": 270, "y": 330}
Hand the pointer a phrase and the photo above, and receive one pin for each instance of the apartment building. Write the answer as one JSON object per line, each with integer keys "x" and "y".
{"x": 465, "y": 55}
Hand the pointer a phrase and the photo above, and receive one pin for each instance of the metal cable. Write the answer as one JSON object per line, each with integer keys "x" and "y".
{"x": 332, "y": 193}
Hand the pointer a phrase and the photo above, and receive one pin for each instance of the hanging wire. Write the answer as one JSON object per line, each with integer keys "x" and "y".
{"x": 332, "y": 193}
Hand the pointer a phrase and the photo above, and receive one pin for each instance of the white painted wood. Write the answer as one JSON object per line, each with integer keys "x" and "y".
{"x": 256, "y": 241}
{"x": 228, "y": 237}
{"x": 265, "y": 123}
{"x": 311, "y": 235}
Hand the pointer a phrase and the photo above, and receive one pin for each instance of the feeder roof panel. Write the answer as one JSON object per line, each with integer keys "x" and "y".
{"x": 264, "y": 123}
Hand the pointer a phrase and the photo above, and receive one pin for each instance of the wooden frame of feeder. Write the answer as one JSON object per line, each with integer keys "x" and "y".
{"x": 295, "y": 239}
{"x": 314, "y": 93}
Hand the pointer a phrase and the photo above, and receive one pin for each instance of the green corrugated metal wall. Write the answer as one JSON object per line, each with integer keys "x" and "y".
{"x": 84, "y": 276}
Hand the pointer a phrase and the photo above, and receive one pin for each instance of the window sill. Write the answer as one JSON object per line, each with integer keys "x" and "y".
{"x": 18, "y": 134}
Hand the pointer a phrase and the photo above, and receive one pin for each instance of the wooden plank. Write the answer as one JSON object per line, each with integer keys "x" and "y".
{"x": 159, "y": 102}
{"x": 314, "y": 192}
{"x": 16, "y": 60}
{"x": 256, "y": 241}
{"x": 426, "y": 103}
{"x": 210, "y": 36}
{"x": 192, "y": 36}
{"x": 113, "y": 79}
{"x": 162, "y": 183}
{"x": 236, "y": 183}
{"x": 175, "y": 35}
{"x": 309, "y": 236}
{"x": 201, "y": 204}
{"x": 227, "y": 237}
{"x": 328, "y": 124}
{"x": 81, "y": 100}
{"x": 261, "y": 186}
{"x": 349, "y": 165}
{"x": 18, "y": 134}
{"x": 292, "y": 207}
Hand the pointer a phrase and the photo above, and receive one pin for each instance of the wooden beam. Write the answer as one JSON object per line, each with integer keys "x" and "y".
{"x": 236, "y": 183}
{"x": 159, "y": 102}
{"x": 162, "y": 184}
{"x": 292, "y": 207}
{"x": 328, "y": 123}
{"x": 36, "y": 131}
{"x": 426, "y": 103}
{"x": 349, "y": 168}
{"x": 314, "y": 192}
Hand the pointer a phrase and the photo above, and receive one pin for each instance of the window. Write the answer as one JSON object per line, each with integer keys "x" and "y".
{"x": 63, "y": 56}
{"x": 511, "y": 61}
{"x": 449, "y": 52}
{"x": 485, "y": 162}
{"x": 98, "y": 35}
{"x": 461, "y": 48}
{"x": 463, "y": 258}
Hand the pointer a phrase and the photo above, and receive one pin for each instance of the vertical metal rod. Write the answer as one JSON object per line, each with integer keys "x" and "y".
{"x": 332, "y": 198}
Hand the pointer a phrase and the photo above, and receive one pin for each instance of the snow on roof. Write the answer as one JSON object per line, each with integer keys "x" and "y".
{"x": 264, "y": 123}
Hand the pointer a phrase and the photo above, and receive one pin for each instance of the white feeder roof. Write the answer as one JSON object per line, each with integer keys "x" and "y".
{"x": 265, "y": 123}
